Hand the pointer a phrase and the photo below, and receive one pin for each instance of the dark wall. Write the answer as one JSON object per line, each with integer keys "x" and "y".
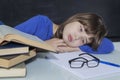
{"x": 13, "y": 12}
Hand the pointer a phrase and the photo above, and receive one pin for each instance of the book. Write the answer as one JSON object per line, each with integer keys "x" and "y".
{"x": 12, "y": 60}
{"x": 62, "y": 60}
{"x": 13, "y": 48}
{"x": 8, "y": 34}
{"x": 17, "y": 71}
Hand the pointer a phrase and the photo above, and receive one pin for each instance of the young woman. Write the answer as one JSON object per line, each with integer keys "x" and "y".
{"x": 83, "y": 31}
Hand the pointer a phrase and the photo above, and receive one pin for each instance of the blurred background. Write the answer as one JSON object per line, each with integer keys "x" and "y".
{"x": 13, "y": 12}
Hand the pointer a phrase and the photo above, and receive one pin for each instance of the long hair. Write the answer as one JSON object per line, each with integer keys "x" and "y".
{"x": 93, "y": 24}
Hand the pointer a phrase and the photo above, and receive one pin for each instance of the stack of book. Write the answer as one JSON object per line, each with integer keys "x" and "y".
{"x": 12, "y": 57}
{"x": 16, "y": 47}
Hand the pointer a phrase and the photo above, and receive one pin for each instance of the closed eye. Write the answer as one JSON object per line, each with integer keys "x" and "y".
{"x": 84, "y": 40}
{"x": 81, "y": 30}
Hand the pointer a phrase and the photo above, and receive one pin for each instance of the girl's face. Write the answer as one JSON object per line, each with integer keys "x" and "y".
{"x": 75, "y": 35}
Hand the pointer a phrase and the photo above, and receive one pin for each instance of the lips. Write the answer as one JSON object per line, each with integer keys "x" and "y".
{"x": 70, "y": 38}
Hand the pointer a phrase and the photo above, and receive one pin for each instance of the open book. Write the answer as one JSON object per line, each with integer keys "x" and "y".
{"x": 8, "y": 33}
{"x": 85, "y": 73}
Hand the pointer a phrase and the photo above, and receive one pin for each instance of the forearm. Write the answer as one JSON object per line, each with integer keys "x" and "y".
{"x": 60, "y": 46}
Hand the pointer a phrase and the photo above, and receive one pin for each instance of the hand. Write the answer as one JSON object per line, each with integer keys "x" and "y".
{"x": 55, "y": 43}
{"x": 67, "y": 49}
{"x": 60, "y": 46}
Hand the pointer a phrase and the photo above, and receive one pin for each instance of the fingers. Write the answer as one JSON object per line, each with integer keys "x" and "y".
{"x": 67, "y": 49}
{"x": 59, "y": 40}
{"x": 61, "y": 45}
{"x": 59, "y": 50}
{"x": 58, "y": 44}
{"x": 62, "y": 49}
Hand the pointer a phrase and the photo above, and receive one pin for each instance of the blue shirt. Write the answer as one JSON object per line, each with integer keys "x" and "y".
{"x": 42, "y": 27}
{"x": 1, "y": 23}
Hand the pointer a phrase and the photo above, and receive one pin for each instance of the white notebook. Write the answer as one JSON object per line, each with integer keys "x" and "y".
{"x": 85, "y": 73}
{"x": 113, "y": 57}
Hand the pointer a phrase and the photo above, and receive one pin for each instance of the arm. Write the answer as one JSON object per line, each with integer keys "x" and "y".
{"x": 105, "y": 47}
{"x": 60, "y": 46}
{"x": 40, "y": 26}
{"x": 30, "y": 26}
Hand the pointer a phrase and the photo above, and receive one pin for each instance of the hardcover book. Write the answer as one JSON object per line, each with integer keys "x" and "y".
{"x": 13, "y": 48}
{"x": 17, "y": 71}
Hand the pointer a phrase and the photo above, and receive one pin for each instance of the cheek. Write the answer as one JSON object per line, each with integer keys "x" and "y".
{"x": 65, "y": 37}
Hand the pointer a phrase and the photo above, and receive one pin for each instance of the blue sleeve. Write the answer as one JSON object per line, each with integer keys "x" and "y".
{"x": 28, "y": 26}
{"x": 40, "y": 26}
{"x": 105, "y": 47}
{"x": 32, "y": 25}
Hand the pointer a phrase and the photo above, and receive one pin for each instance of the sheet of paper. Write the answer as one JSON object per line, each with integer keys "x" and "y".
{"x": 84, "y": 72}
{"x": 113, "y": 57}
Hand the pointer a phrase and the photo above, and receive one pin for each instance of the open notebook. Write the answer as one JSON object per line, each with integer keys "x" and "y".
{"x": 85, "y": 73}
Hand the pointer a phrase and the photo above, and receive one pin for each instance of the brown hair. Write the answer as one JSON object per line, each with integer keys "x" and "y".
{"x": 93, "y": 24}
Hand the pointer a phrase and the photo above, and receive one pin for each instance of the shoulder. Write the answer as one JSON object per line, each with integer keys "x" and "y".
{"x": 42, "y": 17}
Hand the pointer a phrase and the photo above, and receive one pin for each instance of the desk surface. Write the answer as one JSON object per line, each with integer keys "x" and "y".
{"x": 41, "y": 69}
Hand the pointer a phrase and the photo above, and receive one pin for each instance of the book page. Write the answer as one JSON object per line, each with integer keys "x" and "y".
{"x": 62, "y": 59}
{"x": 4, "y": 30}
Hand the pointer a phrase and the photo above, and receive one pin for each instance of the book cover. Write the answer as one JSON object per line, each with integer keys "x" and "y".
{"x": 13, "y": 48}
{"x": 8, "y": 33}
{"x": 16, "y": 71}
{"x": 12, "y": 60}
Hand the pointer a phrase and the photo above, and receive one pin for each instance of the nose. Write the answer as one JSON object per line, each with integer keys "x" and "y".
{"x": 80, "y": 38}
{"x": 77, "y": 37}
